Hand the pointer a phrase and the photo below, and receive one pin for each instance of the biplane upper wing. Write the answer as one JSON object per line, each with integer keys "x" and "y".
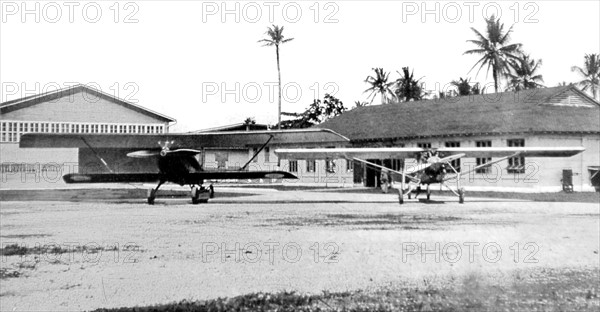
{"x": 189, "y": 178}
{"x": 181, "y": 140}
{"x": 403, "y": 153}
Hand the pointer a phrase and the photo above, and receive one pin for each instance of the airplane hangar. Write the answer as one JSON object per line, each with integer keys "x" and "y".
{"x": 545, "y": 117}
{"x": 78, "y": 109}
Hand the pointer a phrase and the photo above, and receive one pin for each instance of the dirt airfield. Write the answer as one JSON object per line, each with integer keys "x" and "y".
{"x": 71, "y": 256}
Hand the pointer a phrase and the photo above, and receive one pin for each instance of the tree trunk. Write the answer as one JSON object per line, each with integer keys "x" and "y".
{"x": 279, "y": 84}
{"x": 495, "y": 74}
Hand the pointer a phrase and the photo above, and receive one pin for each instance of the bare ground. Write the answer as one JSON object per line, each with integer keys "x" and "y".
{"x": 261, "y": 240}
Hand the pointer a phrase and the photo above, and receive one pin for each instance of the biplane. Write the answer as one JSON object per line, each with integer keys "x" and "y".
{"x": 175, "y": 155}
{"x": 433, "y": 165}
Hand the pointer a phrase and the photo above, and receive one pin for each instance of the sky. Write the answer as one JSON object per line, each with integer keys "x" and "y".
{"x": 199, "y": 62}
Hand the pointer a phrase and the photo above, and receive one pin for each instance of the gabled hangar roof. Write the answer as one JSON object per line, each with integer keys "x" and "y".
{"x": 31, "y": 100}
{"x": 546, "y": 110}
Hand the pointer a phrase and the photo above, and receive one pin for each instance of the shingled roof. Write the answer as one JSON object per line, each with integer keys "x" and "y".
{"x": 31, "y": 100}
{"x": 547, "y": 110}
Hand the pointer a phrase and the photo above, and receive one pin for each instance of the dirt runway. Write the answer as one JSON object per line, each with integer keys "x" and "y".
{"x": 86, "y": 255}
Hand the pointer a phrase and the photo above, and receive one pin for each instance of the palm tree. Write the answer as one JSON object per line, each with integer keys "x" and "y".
{"x": 494, "y": 49}
{"x": 591, "y": 75}
{"x": 275, "y": 38}
{"x": 462, "y": 85}
{"x": 524, "y": 76}
{"x": 358, "y": 104}
{"x": 407, "y": 88}
{"x": 380, "y": 85}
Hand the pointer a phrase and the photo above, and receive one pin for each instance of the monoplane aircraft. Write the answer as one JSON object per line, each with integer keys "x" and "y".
{"x": 174, "y": 155}
{"x": 434, "y": 165}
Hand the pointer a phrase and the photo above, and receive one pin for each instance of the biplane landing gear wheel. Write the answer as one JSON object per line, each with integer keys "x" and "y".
{"x": 461, "y": 196}
{"x": 152, "y": 195}
{"x": 200, "y": 195}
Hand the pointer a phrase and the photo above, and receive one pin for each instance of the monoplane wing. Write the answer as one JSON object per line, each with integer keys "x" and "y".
{"x": 189, "y": 178}
{"x": 487, "y": 152}
{"x": 413, "y": 152}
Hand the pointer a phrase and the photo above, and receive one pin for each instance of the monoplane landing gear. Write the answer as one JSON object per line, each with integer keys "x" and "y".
{"x": 417, "y": 191}
{"x": 428, "y": 192}
{"x": 152, "y": 194}
{"x": 401, "y": 196}
{"x": 200, "y": 195}
{"x": 461, "y": 195}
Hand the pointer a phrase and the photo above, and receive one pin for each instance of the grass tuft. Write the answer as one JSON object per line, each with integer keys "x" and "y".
{"x": 541, "y": 290}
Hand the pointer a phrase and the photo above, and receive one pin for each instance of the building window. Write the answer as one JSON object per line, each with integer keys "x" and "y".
{"x": 330, "y": 165}
{"x": 516, "y": 164}
{"x": 221, "y": 158}
{"x": 349, "y": 165}
{"x": 293, "y": 166}
{"x": 267, "y": 154}
{"x": 424, "y": 145}
{"x": 483, "y": 161}
{"x": 254, "y": 149}
{"x": 310, "y": 165}
{"x": 455, "y": 163}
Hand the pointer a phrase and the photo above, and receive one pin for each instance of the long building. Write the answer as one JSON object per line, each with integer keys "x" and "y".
{"x": 558, "y": 116}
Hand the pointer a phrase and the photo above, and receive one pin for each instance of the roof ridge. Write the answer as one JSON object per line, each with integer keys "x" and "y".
{"x": 33, "y": 96}
{"x": 73, "y": 89}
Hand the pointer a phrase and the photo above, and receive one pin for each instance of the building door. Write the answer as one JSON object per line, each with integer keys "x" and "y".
{"x": 373, "y": 174}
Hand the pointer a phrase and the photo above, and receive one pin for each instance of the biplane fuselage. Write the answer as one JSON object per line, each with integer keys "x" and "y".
{"x": 175, "y": 167}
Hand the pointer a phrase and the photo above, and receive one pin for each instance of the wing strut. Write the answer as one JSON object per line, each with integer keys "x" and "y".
{"x": 97, "y": 156}
{"x": 256, "y": 153}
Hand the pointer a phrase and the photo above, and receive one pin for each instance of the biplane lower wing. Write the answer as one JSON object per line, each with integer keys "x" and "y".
{"x": 188, "y": 178}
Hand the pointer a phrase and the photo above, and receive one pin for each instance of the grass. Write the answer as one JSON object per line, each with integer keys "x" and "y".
{"x": 16, "y": 250}
{"x": 8, "y": 273}
{"x": 578, "y": 197}
{"x": 385, "y": 221}
{"x": 585, "y": 197}
{"x": 537, "y": 290}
